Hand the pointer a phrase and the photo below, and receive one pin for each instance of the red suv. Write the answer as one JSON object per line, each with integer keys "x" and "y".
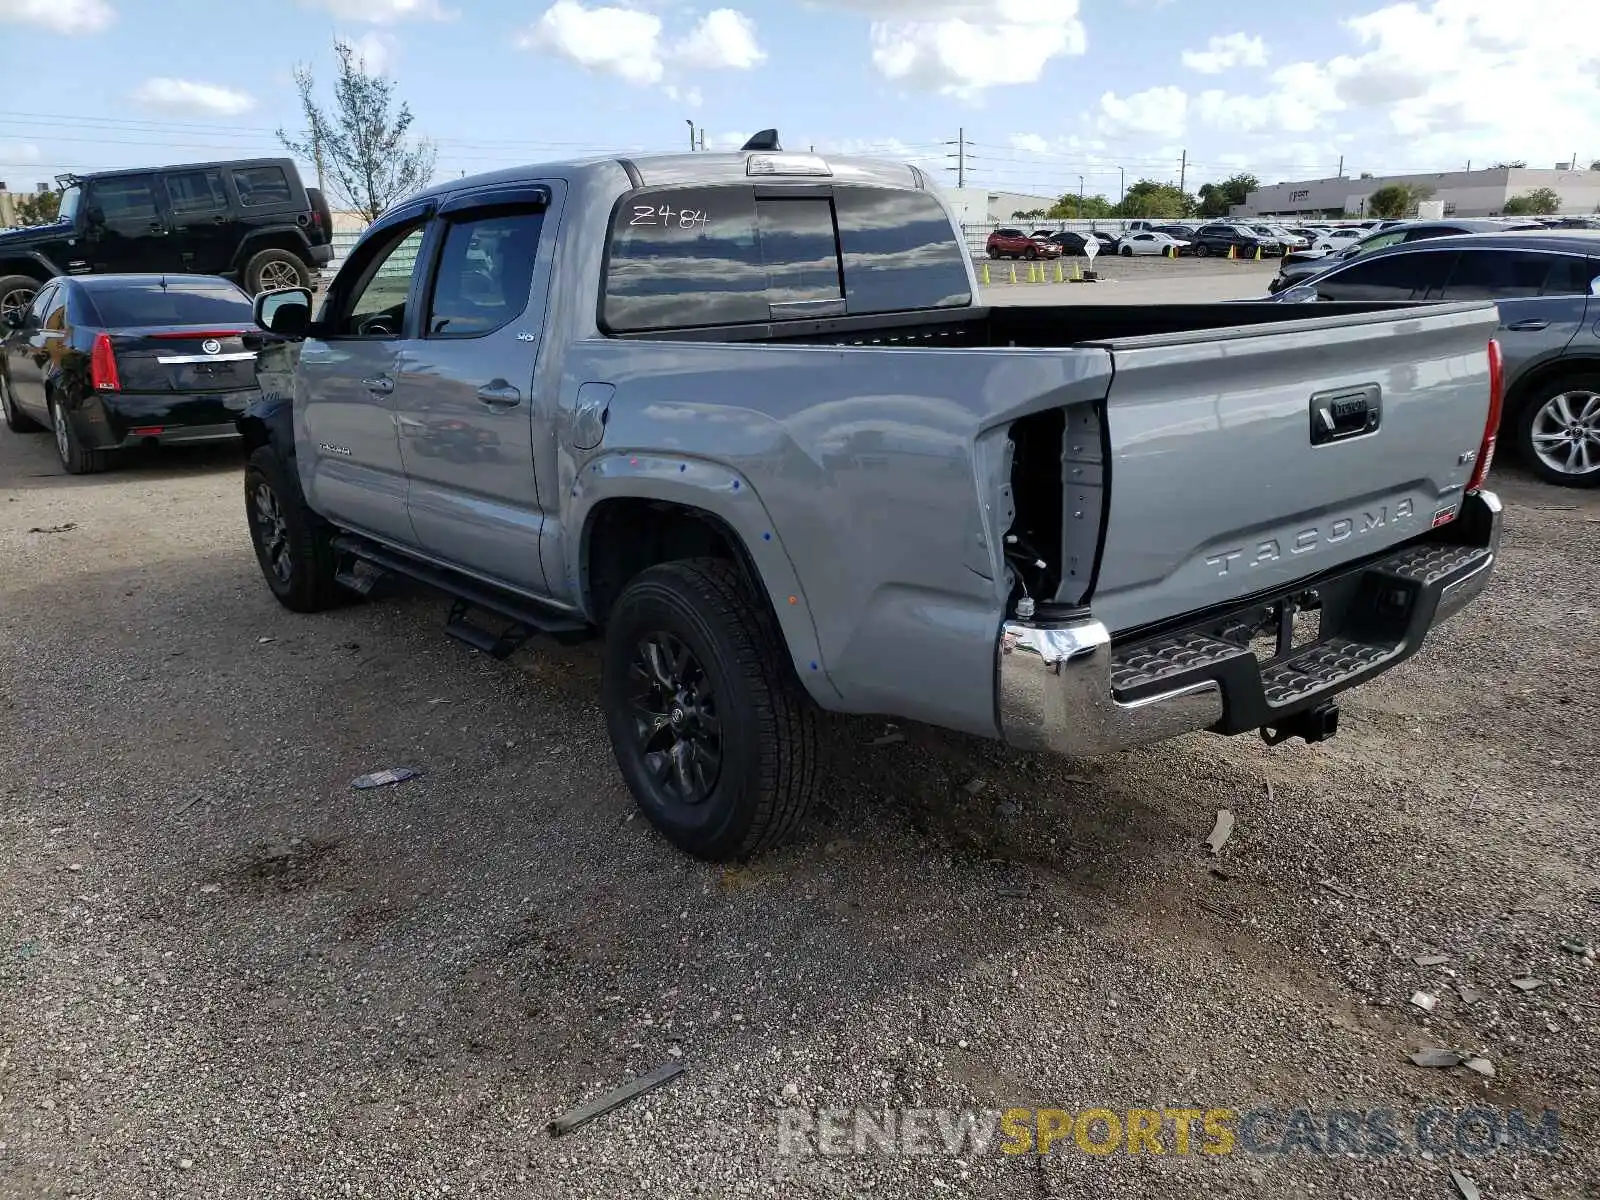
{"x": 1013, "y": 243}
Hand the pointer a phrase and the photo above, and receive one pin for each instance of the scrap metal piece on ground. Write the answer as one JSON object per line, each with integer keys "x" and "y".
{"x": 1467, "y": 1189}
{"x": 1526, "y": 983}
{"x": 887, "y": 739}
{"x": 616, "y": 1098}
{"x": 1430, "y": 960}
{"x": 1221, "y": 831}
{"x": 384, "y": 778}
{"x": 1436, "y": 1057}
{"x": 1481, "y": 1066}
{"x": 1424, "y": 1001}
{"x": 1469, "y": 995}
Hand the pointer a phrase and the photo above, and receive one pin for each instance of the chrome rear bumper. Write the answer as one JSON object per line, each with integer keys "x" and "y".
{"x": 1063, "y": 688}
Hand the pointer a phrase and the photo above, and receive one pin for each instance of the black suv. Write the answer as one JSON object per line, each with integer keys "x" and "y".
{"x": 249, "y": 219}
{"x": 1220, "y": 238}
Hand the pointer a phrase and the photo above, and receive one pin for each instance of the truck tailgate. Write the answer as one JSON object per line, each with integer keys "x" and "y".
{"x": 1246, "y": 459}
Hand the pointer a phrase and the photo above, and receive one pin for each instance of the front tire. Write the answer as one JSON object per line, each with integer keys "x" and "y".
{"x": 16, "y": 294}
{"x": 993, "y": 253}
{"x": 1127, "y": 252}
{"x": 75, "y": 456}
{"x": 711, "y": 730}
{"x": 273, "y": 270}
{"x": 1558, "y": 431}
{"x": 293, "y": 545}
{"x": 16, "y": 420}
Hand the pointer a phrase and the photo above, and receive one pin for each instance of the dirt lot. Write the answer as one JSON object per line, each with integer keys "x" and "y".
{"x": 226, "y": 973}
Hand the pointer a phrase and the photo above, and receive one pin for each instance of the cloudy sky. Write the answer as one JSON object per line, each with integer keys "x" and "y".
{"x": 1046, "y": 90}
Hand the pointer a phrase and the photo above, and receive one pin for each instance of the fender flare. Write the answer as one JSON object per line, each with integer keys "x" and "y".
{"x": 34, "y": 257}
{"x": 269, "y": 421}
{"x": 273, "y": 236}
{"x": 727, "y": 495}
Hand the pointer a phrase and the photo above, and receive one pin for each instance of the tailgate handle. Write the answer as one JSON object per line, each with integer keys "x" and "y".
{"x": 1346, "y": 413}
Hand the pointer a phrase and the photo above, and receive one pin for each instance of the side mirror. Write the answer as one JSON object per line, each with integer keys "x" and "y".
{"x": 16, "y": 318}
{"x": 286, "y": 313}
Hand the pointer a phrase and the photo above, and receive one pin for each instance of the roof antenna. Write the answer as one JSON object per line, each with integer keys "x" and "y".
{"x": 767, "y": 139}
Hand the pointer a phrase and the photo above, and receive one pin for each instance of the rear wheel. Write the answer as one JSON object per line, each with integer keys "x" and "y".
{"x": 293, "y": 545}
{"x": 16, "y": 293}
{"x": 711, "y": 730}
{"x": 1127, "y": 252}
{"x": 993, "y": 253}
{"x": 1032, "y": 252}
{"x": 1558, "y": 431}
{"x": 273, "y": 270}
{"x": 75, "y": 456}
{"x": 16, "y": 420}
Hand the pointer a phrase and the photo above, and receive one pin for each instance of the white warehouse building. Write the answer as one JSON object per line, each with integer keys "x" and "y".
{"x": 1463, "y": 193}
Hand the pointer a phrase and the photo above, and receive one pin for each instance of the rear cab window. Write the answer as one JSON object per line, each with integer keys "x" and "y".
{"x": 737, "y": 254}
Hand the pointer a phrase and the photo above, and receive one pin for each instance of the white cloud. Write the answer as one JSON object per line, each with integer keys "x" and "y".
{"x": 689, "y": 96}
{"x": 184, "y": 96}
{"x": 385, "y": 12}
{"x": 723, "y": 38}
{"x": 1438, "y": 82}
{"x": 19, "y": 154}
{"x": 962, "y": 47}
{"x": 376, "y": 51}
{"x": 1155, "y": 110}
{"x": 1223, "y": 53}
{"x": 628, "y": 43}
{"x": 618, "y": 41}
{"x": 59, "y": 16}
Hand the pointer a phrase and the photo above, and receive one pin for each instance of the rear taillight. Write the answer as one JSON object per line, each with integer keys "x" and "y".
{"x": 1491, "y": 424}
{"x": 103, "y": 365}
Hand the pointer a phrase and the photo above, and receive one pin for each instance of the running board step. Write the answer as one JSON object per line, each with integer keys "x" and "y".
{"x": 526, "y": 617}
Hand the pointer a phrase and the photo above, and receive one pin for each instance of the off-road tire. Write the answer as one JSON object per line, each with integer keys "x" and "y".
{"x": 268, "y": 258}
{"x": 77, "y": 458}
{"x": 10, "y": 285}
{"x": 768, "y": 724}
{"x": 309, "y": 584}
{"x": 16, "y": 420}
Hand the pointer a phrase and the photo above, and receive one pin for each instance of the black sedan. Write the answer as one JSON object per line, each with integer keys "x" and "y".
{"x": 1072, "y": 242}
{"x": 108, "y": 362}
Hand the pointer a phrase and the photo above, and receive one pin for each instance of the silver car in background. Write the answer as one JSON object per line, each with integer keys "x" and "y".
{"x": 1547, "y": 288}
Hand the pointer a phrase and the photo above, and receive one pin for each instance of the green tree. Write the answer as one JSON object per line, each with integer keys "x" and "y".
{"x": 40, "y": 209}
{"x": 1541, "y": 202}
{"x": 1514, "y": 165}
{"x": 1067, "y": 208}
{"x": 1218, "y": 199}
{"x": 1395, "y": 200}
{"x": 1031, "y": 214}
{"x": 1147, "y": 198}
{"x": 362, "y": 141}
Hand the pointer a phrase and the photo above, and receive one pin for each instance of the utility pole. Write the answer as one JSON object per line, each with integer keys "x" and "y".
{"x": 1122, "y": 189}
{"x": 1080, "y": 197}
{"x": 1341, "y": 166}
{"x": 960, "y": 156}
{"x": 702, "y": 137}
{"x": 690, "y": 123}
{"x": 1183, "y": 170}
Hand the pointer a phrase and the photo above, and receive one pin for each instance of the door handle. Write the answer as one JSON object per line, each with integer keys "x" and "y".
{"x": 499, "y": 394}
{"x": 379, "y": 386}
{"x": 1531, "y": 325}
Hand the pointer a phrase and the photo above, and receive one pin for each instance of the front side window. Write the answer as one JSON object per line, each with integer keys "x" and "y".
{"x": 40, "y": 305}
{"x": 69, "y": 204}
{"x": 261, "y": 187}
{"x": 375, "y": 306}
{"x": 192, "y": 193}
{"x": 485, "y": 272}
{"x": 125, "y": 199}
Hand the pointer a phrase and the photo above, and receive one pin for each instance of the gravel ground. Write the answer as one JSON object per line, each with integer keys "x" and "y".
{"x": 226, "y": 973}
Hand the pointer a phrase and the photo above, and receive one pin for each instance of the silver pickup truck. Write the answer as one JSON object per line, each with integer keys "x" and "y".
{"x": 746, "y": 414}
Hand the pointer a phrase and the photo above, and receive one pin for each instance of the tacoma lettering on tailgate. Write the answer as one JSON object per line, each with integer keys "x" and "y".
{"x": 1270, "y": 550}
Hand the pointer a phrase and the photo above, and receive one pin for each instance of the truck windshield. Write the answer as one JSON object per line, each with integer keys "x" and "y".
{"x": 69, "y": 203}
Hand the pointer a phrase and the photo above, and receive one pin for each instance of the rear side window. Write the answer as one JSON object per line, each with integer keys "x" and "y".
{"x": 261, "y": 187}
{"x": 192, "y": 192}
{"x": 1509, "y": 275}
{"x": 127, "y": 199}
{"x": 1571, "y": 276}
{"x": 1392, "y": 277}
{"x": 186, "y": 303}
{"x": 485, "y": 273}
